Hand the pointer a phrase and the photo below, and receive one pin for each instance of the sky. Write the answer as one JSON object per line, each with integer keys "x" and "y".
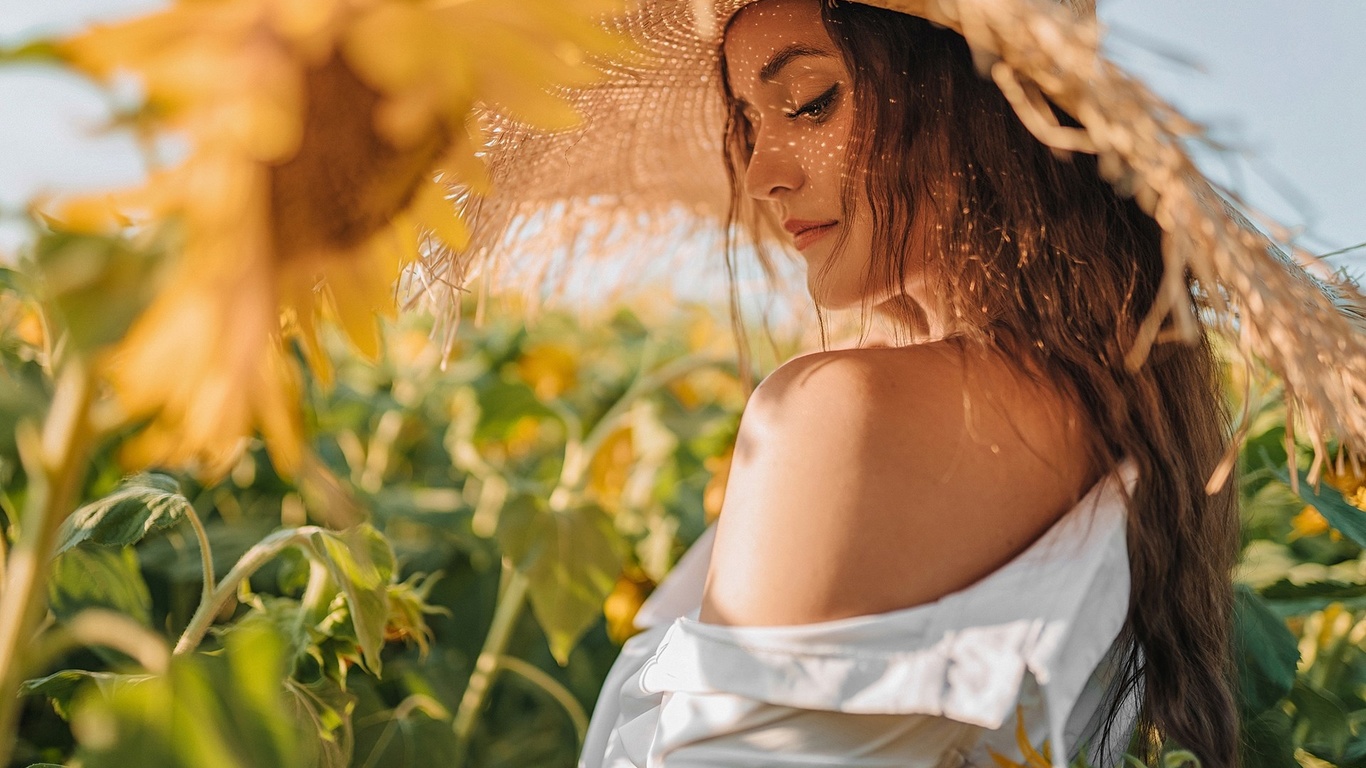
{"x": 1280, "y": 83}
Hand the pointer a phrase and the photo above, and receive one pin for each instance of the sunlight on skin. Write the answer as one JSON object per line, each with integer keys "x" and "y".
{"x": 798, "y": 98}
{"x": 856, "y": 472}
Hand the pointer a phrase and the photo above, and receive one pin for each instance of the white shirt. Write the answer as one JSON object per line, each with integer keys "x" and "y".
{"x": 938, "y": 685}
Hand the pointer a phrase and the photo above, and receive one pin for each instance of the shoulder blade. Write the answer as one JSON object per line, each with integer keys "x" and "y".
{"x": 866, "y": 481}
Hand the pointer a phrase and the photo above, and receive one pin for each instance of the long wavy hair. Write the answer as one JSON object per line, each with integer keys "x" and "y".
{"x": 1042, "y": 261}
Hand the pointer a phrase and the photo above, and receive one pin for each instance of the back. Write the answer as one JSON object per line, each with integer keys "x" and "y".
{"x": 871, "y": 480}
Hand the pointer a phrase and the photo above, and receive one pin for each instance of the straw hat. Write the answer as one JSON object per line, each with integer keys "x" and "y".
{"x": 646, "y": 164}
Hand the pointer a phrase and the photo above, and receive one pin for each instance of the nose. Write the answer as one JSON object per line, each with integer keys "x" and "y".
{"x": 773, "y": 170}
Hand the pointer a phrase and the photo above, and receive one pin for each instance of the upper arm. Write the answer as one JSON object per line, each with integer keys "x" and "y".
{"x": 866, "y": 483}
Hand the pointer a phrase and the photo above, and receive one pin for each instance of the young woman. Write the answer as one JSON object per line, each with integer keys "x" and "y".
{"x": 982, "y": 521}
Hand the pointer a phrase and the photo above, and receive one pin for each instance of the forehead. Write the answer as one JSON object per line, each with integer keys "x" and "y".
{"x": 763, "y": 30}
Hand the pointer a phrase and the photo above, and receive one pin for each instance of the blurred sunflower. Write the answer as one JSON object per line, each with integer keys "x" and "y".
{"x": 550, "y": 368}
{"x": 1310, "y": 522}
{"x": 324, "y": 139}
{"x": 622, "y": 605}
{"x": 1351, "y": 483}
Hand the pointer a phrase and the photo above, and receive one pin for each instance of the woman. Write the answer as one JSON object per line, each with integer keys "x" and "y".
{"x": 928, "y": 486}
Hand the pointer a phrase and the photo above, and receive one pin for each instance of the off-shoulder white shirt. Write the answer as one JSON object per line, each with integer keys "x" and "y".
{"x": 939, "y": 685}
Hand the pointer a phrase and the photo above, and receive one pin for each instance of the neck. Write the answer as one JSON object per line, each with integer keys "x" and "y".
{"x": 905, "y": 319}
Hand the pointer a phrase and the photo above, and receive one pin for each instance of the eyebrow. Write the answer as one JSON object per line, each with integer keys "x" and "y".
{"x": 785, "y": 56}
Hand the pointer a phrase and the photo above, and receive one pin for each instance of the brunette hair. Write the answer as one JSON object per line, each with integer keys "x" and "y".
{"x": 1046, "y": 263}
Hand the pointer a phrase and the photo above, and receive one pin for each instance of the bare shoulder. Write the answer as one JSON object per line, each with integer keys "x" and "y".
{"x": 870, "y": 480}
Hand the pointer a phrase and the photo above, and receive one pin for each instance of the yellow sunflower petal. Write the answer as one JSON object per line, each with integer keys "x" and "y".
{"x": 432, "y": 210}
{"x": 368, "y": 45}
{"x": 404, "y": 119}
{"x": 462, "y": 166}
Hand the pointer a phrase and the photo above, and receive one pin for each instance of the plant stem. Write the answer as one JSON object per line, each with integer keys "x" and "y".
{"x": 539, "y": 678}
{"x": 378, "y": 452}
{"x": 55, "y": 462}
{"x": 205, "y": 553}
{"x": 98, "y": 626}
{"x": 510, "y": 603}
{"x": 644, "y": 384}
{"x": 250, "y": 563}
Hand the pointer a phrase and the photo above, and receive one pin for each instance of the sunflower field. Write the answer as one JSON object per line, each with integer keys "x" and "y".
{"x": 252, "y": 515}
{"x": 449, "y": 572}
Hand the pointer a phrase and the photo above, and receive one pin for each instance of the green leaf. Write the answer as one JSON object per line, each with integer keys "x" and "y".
{"x": 88, "y": 576}
{"x": 142, "y": 504}
{"x": 1326, "y": 717}
{"x": 285, "y": 616}
{"x": 502, "y": 405}
{"x": 10, "y": 279}
{"x": 1266, "y": 650}
{"x": 21, "y": 398}
{"x": 1345, "y": 518}
{"x": 95, "y": 285}
{"x": 1268, "y": 741}
{"x": 1266, "y": 446}
{"x": 571, "y": 560}
{"x": 61, "y": 688}
{"x": 254, "y": 655}
{"x": 1180, "y": 758}
{"x": 325, "y": 709}
{"x": 1354, "y": 754}
{"x": 1332, "y": 590}
{"x": 362, "y": 563}
{"x": 209, "y": 711}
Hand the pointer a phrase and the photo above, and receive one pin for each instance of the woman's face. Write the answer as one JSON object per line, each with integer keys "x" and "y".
{"x": 796, "y": 94}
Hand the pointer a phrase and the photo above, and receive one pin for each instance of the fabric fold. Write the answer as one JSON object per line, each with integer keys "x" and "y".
{"x": 1049, "y": 618}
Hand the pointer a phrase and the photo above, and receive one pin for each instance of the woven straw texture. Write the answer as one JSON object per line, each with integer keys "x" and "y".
{"x": 646, "y": 164}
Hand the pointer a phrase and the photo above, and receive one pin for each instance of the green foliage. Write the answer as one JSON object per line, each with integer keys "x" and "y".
{"x": 142, "y": 504}
{"x": 366, "y": 612}
{"x": 61, "y": 688}
{"x": 1267, "y": 652}
{"x": 93, "y": 285}
{"x": 1301, "y": 609}
{"x": 453, "y": 568}
{"x": 361, "y": 563}
{"x": 90, "y": 576}
{"x": 1345, "y": 518}
{"x": 207, "y": 711}
{"x": 572, "y": 559}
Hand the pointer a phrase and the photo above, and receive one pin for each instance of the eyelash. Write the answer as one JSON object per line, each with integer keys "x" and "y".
{"x": 818, "y": 108}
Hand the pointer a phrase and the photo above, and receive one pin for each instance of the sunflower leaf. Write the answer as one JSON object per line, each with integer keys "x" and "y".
{"x": 362, "y": 563}
{"x": 571, "y": 558}
{"x": 1267, "y": 653}
{"x": 144, "y": 503}
{"x": 99, "y": 577}
{"x": 1329, "y": 501}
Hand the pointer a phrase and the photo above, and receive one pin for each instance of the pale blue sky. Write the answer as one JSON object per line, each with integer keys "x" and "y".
{"x": 1282, "y": 82}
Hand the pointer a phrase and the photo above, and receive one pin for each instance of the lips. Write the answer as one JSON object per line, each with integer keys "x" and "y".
{"x": 805, "y": 231}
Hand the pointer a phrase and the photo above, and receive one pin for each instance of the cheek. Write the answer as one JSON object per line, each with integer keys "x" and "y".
{"x": 824, "y": 156}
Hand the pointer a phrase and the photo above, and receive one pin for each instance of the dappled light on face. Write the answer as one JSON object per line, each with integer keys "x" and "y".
{"x": 793, "y": 99}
